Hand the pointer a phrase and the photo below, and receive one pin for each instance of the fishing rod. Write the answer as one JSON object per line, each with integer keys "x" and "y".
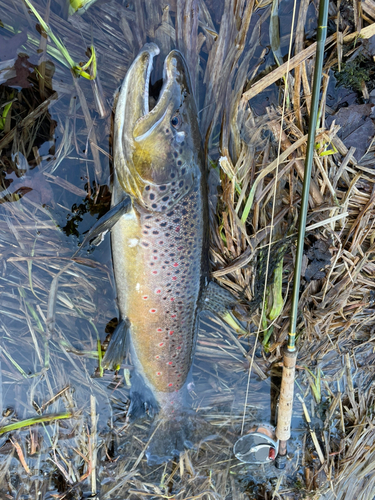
{"x": 290, "y": 351}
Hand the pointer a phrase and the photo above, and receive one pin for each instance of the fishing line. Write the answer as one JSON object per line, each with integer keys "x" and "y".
{"x": 272, "y": 214}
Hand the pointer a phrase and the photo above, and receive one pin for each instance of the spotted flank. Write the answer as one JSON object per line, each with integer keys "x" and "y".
{"x": 171, "y": 250}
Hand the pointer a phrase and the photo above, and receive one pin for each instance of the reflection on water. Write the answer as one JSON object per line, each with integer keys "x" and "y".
{"x": 55, "y": 143}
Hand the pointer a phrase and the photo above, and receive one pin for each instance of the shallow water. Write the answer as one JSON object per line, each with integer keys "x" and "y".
{"x": 61, "y": 167}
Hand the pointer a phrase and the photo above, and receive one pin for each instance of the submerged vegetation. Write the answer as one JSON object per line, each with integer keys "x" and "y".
{"x": 55, "y": 161}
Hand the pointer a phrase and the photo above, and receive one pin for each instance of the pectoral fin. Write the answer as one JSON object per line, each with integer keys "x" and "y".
{"x": 100, "y": 229}
{"x": 116, "y": 350}
{"x": 221, "y": 302}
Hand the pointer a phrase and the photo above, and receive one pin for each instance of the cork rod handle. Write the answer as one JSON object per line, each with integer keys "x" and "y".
{"x": 284, "y": 418}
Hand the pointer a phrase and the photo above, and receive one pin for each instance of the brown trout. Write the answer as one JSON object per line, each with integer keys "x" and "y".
{"x": 159, "y": 246}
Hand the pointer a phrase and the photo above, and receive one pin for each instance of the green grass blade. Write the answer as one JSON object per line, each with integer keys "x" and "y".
{"x": 32, "y": 421}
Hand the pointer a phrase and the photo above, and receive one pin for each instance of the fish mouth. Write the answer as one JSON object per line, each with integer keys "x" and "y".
{"x": 142, "y": 106}
{"x": 163, "y": 94}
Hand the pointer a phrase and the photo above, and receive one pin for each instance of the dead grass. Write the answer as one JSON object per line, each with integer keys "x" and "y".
{"x": 53, "y": 310}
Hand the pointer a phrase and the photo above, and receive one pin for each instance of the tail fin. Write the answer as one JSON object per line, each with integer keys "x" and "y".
{"x": 171, "y": 435}
{"x": 175, "y": 426}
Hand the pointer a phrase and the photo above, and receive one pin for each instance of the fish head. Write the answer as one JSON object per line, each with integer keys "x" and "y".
{"x": 158, "y": 151}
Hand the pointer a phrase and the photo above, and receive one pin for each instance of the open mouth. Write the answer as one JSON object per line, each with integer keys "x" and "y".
{"x": 154, "y": 91}
{"x": 155, "y": 95}
{"x": 153, "y": 82}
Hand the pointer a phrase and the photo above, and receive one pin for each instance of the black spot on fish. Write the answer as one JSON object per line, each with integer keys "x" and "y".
{"x": 147, "y": 188}
{"x": 155, "y": 232}
{"x": 176, "y": 221}
{"x": 180, "y": 151}
{"x": 154, "y": 205}
{"x": 145, "y": 244}
{"x": 175, "y": 154}
{"x": 183, "y": 170}
{"x": 184, "y": 211}
{"x": 152, "y": 196}
{"x": 163, "y": 187}
{"x": 165, "y": 198}
{"x": 179, "y": 163}
{"x": 180, "y": 184}
{"x": 169, "y": 214}
{"x": 163, "y": 224}
{"x": 173, "y": 175}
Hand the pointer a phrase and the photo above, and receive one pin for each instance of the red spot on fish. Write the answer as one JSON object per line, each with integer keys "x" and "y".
{"x": 171, "y": 332}
{"x": 161, "y": 242}
{"x": 177, "y": 228}
{"x": 173, "y": 315}
{"x": 175, "y": 264}
{"x": 158, "y": 374}
{"x": 172, "y": 402}
{"x": 170, "y": 385}
{"x": 152, "y": 310}
{"x": 157, "y": 357}
{"x": 154, "y": 272}
{"x": 170, "y": 362}
{"x": 172, "y": 299}
{"x": 179, "y": 347}
{"x": 272, "y": 454}
{"x": 174, "y": 278}
{"x": 155, "y": 258}
{"x": 157, "y": 291}
{"x": 161, "y": 344}
{"x": 145, "y": 297}
{"x": 159, "y": 330}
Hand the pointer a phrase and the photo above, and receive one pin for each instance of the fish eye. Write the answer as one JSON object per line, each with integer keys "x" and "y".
{"x": 176, "y": 121}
